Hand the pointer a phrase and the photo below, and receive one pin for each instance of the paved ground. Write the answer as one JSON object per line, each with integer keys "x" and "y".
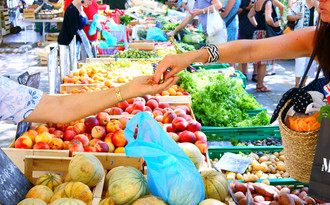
{"x": 13, "y": 64}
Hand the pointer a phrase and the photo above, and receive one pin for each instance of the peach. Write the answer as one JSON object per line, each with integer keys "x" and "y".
{"x": 111, "y": 146}
{"x": 174, "y": 136}
{"x": 119, "y": 150}
{"x": 169, "y": 117}
{"x": 139, "y": 99}
{"x": 159, "y": 109}
{"x": 33, "y": 132}
{"x": 75, "y": 148}
{"x": 163, "y": 105}
{"x": 135, "y": 112}
{"x": 187, "y": 136}
{"x": 167, "y": 109}
{"x": 69, "y": 135}
{"x": 146, "y": 108}
{"x": 24, "y": 142}
{"x": 91, "y": 122}
{"x": 154, "y": 98}
{"x": 194, "y": 126}
{"x": 56, "y": 143}
{"x": 200, "y": 136}
{"x": 118, "y": 138}
{"x": 157, "y": 113}
{"x": 90, "y": 149}
{"x": 159, "y": 118}
{"x": 146, "y": 97}
{"x": 123, "y": 121}
{"x": 51, "y": 130}
{"x": 203, "y": 146}
{"x": 138, "y": 105}
{"x": 41, "y": 129}
{"x": 179, "y": 124}
{"x": 29, "y": 135}
{"x": 101, "y": 147}
{"x": 89, "y": 136}
{"x": 58, "y": 133}
{"x": 43, "y": 137}
{"x": 83, "y": 139}
{"x": 116, "y": 111}
{"x": 186, "y": 93}
{"x": 79, "y": 128}
{"x": 169, "y": 128}
{"x": 179, "y": 110}
{"x": 98, "y": 132}
{"x": 103, "y": 118}
{"x": 93, "y": 142}
{"x": 70, "y": 127}
{"x": 129, "y": 109}
{"x": 113, "y": 125}
{"x": 185, "y": 108}
{"x": 107, "y": 110}
{"x": 123, "y": 105}
{"x": 187, "y": 117}
{"x": 130, "y": 101}
{"x": 152, "y": 104}
{"x": 66, "y": 145}
{"x": 108, "y": 137}
{"x": 75, "y": 141}
{"x": 41, "y": 145}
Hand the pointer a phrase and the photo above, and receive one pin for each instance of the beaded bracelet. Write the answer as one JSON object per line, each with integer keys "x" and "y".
{"x": 213, "y": 53}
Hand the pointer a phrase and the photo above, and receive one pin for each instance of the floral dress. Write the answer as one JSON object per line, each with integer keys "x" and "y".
{"x": 17, "y": 101}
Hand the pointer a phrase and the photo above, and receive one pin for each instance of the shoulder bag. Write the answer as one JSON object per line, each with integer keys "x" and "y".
{"x": 272, "y": 31}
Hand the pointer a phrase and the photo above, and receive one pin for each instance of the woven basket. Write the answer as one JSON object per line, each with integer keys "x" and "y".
{"x": 299, "y": 150}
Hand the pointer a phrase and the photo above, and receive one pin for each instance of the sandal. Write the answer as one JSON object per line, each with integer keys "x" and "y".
{"x": 263, "y": 89}
{"x": 254, "y": 78}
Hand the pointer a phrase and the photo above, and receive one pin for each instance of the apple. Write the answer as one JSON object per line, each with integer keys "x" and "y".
{"x": 24, "y": 142}
{"x": 69, "y": 135}
{"x": 194, "y": 126}
{"x": 187, "y": 136}
{"x": 98, "y": 132}
{"x": 179, "y": 124}
{"x": 103, "y": 118}
{"x": 91, "y": 122}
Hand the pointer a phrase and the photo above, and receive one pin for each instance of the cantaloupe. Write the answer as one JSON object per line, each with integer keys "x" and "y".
{"x": 193, "y": 153}
{"x": 40, "y": 192}
{"x": 107, "y": 177}
{"x": 126, "y": 185}
{"x": 149, "y": 200}
{"x": 32, "y": 201}
{"x": 75, "y": 190}
{"x": 107, "y": 201}
{"x": 67, "y": 201}
{"x": 50, "y": 180}
{"x": 211, "y": 202}
{"x": 215, "y": 184}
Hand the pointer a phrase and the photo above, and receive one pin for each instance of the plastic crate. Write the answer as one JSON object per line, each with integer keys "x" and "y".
{"x": 282, "y": 181}
{"x": 242, "y": 77}
{"x": 254, "y": 112}
{"x": 241, "y": 133}
{"x": 111, "y": 50}
{"x": 217, "y": 152}
{"x": 212, "y": 66}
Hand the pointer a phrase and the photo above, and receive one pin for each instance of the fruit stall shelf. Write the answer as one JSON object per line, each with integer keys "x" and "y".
{"x": 241, "y": 133}
{"x": 217, "y": 152}
{"x": 108, "y": 60}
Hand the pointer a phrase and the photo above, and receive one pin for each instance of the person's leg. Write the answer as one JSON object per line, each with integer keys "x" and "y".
{"x": 244, "y": 68}
{"x": 261, "y": 75}
{"x": 255, "y": 73}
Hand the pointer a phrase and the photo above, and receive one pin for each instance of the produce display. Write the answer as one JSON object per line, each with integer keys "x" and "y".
{"x": 267, "y": 166}
{"x": 269, "y": 141}
{"x": 219, "y": 101}
{"x": 263, "y": 193}
{"x": 135, "y": 53}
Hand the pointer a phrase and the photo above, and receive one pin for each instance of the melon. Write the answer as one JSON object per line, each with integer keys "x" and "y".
{"x": 86, "y": 168}
{"x": 193, "y": 153}
{"x": 32, "y": 201}
{"x": 107, "y": 177}
{"x": 126, "y": 185}
{"x": 149, "y": 200}
{"x": 75, "y": 190}
{"x": 107, "y": 201}
{"x": 50, "y": 180}
{"x": 215, "y": 184}
{"x": 67, "y": 201}
{"x": 61, "y": 186}
{"x": 40, "y": 192}
{"x": 211, "y": 202}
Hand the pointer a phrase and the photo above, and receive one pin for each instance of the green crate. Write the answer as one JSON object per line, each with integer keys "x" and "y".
{"x": 212, "y": 66}
{"x": 281, "y": 182}
{"x": 241, "y": 76}
{"x": 241, "y": 133}
{"x": 254, "y": 112}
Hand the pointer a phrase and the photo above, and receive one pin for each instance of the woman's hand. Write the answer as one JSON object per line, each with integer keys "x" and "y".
{"x": 277, "y": 23}
{"x": 145, "y": 85}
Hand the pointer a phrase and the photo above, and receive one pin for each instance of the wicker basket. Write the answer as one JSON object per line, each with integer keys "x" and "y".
{"x": 299, "y": 150}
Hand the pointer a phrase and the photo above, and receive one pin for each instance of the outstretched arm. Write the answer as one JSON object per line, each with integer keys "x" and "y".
{"x": 68, "y": 108}
{"x": 293, "y": 45}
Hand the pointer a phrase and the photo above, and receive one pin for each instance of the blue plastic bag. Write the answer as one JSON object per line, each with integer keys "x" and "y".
{"x": 110, "y": 39}
{"x": 171, "y": 174}
{"x": 155, "y": 34}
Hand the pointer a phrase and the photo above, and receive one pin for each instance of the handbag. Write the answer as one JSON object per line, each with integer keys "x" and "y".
{"x": 292, "y": 24}
{"x": 272, "y": 31}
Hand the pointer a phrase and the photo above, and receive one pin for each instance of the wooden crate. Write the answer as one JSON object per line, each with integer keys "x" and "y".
{"x": 142, "y": 46}
{"x": 69, "y": 87}
{"x": 175, "y": 99}
{"x": 51, "y": 37}
{"x": 57, "y": 165}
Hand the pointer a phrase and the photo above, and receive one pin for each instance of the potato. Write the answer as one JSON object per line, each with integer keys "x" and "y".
{"x": 250, "y": 178}
{"x": 255, "y": 164}
{"x": 272, "y": 158}
{"x": 231, "y": 175}
{"x": 264, "y": 176}
{"x": 276, "y": 154}
{"x": 281, "y": 158}
{"x": 258, "y": 198}
{"x": 239, "y": 176}
{"x": 239, "y": 195}
{"x": 272, "y": 169}
{"x": 263, "y": 159}
{"x": 256, "y": 157}
{"x": 265, "y": 182}
{"x": 242, "y": 201}
{"x": 303, "y": 195}
{"x": 297, "y": 200}
{"x": 259, "y": 174}
{"x": 281, "y": 166}
{"x": 310, "y": 200}
{"x": 263, "y": 167}
{"x": 285, "y": 199}
{"x": 242, "y": 187}
{"x": 285, "y": 190}
{"x": 272, "y": 176}
{"x": 305, "y": 189}
{"x": 281, "y": 153}
{"x": 286, "y": 175}
{"x": 296, "y": 192}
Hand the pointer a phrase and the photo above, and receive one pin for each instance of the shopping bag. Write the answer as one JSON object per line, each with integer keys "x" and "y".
{"x": 171, "y": 175}
{"x": 319, "y": 184}
{"x": 214, "y": 22}
{"x": 155, "y": 34}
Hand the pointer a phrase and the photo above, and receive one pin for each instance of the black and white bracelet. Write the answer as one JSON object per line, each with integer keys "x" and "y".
{"x": 213, "y": 53}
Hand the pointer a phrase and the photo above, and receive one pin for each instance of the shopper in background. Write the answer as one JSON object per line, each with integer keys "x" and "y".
{"x": 300, "y": 43}
{"x": 246, "y": 30}
{"x": 18, "y": 102}
{"x": 230, "y": 17}
{"x": 188, "y": 6}
{"x": 303, "y": 12}
{"x": 201, "y": 8}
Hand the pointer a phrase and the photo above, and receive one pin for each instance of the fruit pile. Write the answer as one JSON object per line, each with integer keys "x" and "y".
{"x": 92, "y": 134}
{"x": 136, "y": 53}
{"x": 264, "y": 193}
{"x": 74, "y": 189}
{"x": 175, "y": 90}
{"x": 268, "y": 166}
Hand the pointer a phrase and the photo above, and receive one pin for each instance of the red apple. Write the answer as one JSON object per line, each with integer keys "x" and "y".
{"x": 98, "y": 132}
{"x": 194, "y": 126}
{"x": 179, "y": 124}
{"x": 69, "y": 135}
{"x": 103, "y": 118}
{"x": 200, "y": 136}
{"x": 187, "y": 136}
{"x": 91, "y": 122}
